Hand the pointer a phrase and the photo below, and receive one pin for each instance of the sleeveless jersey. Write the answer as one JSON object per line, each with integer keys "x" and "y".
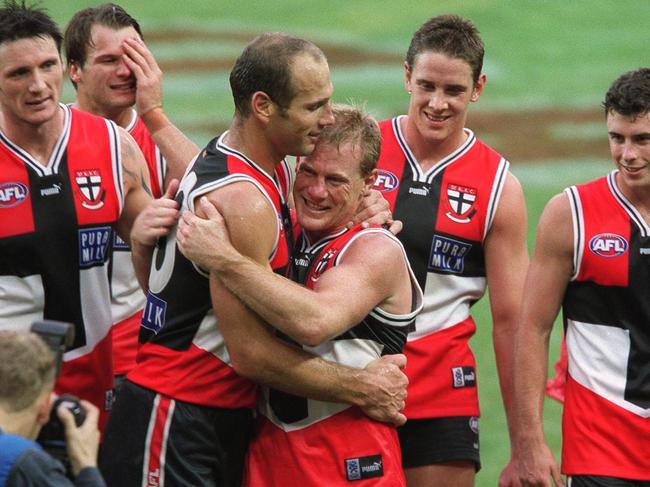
{"x": 127, "y": 299}
{"x": 183, "y": 354}
{"x": 447, "y": 213}
{"x": 55, "y": 231}
{"x": 606, "y": 419}
{"x": 304, "y": 434}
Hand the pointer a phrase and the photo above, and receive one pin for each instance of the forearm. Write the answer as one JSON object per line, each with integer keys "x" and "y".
{"x": 141, "y": 256}
{"x": 294, "y": 310}
{"x": 177, "y": 149}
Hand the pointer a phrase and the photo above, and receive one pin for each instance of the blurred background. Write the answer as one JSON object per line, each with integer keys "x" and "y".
{"x": 548, "y": 64}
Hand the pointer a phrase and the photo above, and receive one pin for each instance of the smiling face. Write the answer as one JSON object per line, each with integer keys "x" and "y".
{"x": 295, "y": 129}
{"x": 441, "y": 89}
{"x": 629, "y": 144}
{"x": 31, "y": 77}
{"x": 328, "y": 188}
{"x": 105, "y": 85}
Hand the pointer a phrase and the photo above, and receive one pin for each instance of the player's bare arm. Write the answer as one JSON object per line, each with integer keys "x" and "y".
{"x": 177, "y": 149}
{"x": 506, "y": 256}
{"x": 341, "y": 298}
{"x": 258, "y": 355}
{"x": 550, "y": 271}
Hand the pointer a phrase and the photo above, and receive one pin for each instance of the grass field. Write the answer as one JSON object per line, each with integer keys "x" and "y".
{"x": 545, "y": 60}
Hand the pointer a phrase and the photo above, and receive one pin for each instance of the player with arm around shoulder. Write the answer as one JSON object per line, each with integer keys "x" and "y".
{"x": 353, "y": 299}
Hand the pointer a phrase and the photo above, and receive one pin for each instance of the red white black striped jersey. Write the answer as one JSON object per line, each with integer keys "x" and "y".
{"x": 606, "y": 424}
{"x": 447, "y": 213}
{"x": 183, "y": 354}
{"x": 55, "y": 232}
{"x": 305, "y": 434}
{"x": 127, "y": 299}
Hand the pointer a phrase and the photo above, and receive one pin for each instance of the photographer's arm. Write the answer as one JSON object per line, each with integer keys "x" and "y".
{"x": 82, "y": 443}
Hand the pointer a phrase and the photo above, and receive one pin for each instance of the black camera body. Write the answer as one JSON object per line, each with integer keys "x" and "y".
{"x": 58, "y": 336}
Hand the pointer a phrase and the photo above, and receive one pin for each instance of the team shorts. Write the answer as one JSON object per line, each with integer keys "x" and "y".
{"x": 600, "y": 481}
{"x": 439, "y": 440}
{"x": 152, "y": 439}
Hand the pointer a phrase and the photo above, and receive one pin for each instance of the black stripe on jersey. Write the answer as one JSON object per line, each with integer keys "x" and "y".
{"x": 624, "y": 307}
{"x": 391, "y": 337}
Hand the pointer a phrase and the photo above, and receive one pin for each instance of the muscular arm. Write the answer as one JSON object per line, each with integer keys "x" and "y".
{"x": 546, "y": 281}
{"x": 137, "y": 195}
{"x": 506, "y": 257}
{"x": 340, "y": 299}
{"x": 256, "y": 353}
{"x": 176, "y": 147}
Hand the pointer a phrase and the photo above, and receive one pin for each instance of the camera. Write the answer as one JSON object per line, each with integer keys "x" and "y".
{"x": 58, "y": 336}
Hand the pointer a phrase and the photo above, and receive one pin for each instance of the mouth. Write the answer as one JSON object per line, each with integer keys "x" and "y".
{"x": 632, "y": 169}
{"x": 130, "y": 86}
{"x": 40, "y": 103}
{"x": 310, "y": 205}
{"x": 436, "y": 119}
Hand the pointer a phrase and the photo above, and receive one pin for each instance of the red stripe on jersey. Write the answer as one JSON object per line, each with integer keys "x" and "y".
{"x": 600, "y": 438}
{"x": 603, "y": 212}
{"x": 16, "y": 211}
{"x": 142, "y": 137}
{"x": 90, "y": 377}
{"x": 125, "y": 342}
{"x": 158, "y": 369}
{"x": 92, "y": 176}
{"x": 429, "y": 368}
{"x": 317, "y": 455}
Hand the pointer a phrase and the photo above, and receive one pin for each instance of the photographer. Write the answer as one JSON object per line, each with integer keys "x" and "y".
{"x": 27, "y": 374}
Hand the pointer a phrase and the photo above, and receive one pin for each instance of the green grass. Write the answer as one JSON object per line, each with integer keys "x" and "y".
{"x": 538, "y": 54}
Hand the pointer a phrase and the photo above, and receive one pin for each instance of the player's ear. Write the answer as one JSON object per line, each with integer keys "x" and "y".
{"x": 262, "y": 106}
{"x": 74, "y": 72}
{"x": 478, "y": 87}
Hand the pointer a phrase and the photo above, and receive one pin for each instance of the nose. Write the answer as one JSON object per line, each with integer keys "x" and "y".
{"x": 327, "y": 117}
{"x": 438, "y": 101}
{"x": 629, "y": 151}
{"x": 38, "y": 83}
{"x": 123, "y": 70}
{"x": 317, "y": 188}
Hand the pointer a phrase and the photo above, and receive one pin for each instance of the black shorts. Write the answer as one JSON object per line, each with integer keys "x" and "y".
{"x": 151, "y": 439}
{"x": 439, "y": 440}
{"x": 600, "y": 481}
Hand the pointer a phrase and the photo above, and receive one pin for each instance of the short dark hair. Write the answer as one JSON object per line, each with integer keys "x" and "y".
{"x": 353, "y": 125}
{"x": 265, "y": 65}
{"x": 27, "y": 368}
{"x": 78, "y": 36}
{"x": 629, "y": 95}
{"x": 18, "y": 21}
{"x": 451, "y": 35}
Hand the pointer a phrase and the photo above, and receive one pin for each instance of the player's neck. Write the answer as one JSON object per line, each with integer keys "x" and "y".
{"x": 37, "y": 140}
{"x": 429, "y": 152}
{"x": 122, "y": 116}
{"x": 244, "y": 136}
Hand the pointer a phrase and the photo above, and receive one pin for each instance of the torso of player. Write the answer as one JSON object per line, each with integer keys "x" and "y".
{"x": 606, "y": 312}
{"x": 447, "y": 212}
{"x": 379, "y": 333}
{"x": 183, "y": 354}
{"x": 55, "y": 233}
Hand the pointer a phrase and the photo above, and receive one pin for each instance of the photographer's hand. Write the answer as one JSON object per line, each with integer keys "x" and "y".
{"x": 82, "y": 441}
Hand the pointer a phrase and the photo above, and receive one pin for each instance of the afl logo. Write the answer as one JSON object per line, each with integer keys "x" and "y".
{"x": 12, "y": 194}
{"x": 608, "y": 245}
{"x": 386, "y": 181}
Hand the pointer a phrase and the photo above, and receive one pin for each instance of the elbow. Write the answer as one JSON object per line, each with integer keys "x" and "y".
{"x": 246, "y": 362}
{"x": 311, "y": 333}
